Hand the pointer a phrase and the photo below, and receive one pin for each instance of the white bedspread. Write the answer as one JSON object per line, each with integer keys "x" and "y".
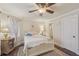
{"x": 32, "y": 41}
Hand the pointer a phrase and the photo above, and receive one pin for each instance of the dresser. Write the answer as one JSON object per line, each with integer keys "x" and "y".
{"x": 7, "y": 46}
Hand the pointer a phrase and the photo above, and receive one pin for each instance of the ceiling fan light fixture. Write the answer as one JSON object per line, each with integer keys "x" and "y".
{"x": 42, "y": 10}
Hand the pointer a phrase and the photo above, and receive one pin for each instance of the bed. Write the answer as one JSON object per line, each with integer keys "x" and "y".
{"x": 32, "y": 45}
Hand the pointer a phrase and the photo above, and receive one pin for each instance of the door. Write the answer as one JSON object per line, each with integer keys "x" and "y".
{"x": 57, "y": 33}
{"x": 51, "y": 30}
{"x": 70, "y": 40}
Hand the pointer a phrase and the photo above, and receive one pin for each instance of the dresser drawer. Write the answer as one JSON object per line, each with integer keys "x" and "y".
{"x": 11, "y": 43}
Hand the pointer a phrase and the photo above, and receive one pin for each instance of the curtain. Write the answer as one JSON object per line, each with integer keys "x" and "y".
{"x": 11, "y": 23}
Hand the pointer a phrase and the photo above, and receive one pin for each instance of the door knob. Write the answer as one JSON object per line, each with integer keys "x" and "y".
{"x": 73, "y": 36}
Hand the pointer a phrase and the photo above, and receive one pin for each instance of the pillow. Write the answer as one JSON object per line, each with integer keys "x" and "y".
{"x": 28, "y": 34}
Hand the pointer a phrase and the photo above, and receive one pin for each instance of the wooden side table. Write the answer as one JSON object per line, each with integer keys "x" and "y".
{"x": 7, "y": 46}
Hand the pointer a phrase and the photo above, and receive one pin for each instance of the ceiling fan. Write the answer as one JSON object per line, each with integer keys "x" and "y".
{"x": 43, "y": 7}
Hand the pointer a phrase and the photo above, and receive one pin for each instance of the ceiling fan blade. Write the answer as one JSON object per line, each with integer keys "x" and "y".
{"x": 38, "y": 4}
{"x": 49, "y": 11}
{"x": 41, "y": 4}
{"x": 50, "y": 4}
{"x": 33, "y": 11}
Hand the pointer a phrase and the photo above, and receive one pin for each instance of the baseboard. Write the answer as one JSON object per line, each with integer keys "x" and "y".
{"x": 45, "y": 53}
{"x": 71, "y": 53}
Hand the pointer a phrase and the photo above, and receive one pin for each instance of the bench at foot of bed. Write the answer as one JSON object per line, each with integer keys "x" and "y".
{"x": 42, "y": 48}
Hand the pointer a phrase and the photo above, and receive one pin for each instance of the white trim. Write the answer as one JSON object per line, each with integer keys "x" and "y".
{"x": 72, "y": 12}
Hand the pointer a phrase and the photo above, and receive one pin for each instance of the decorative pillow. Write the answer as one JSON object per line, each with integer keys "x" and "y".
{"x": 28, "y": 34}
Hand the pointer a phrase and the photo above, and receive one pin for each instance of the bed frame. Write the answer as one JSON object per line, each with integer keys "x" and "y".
{"x": 42, "y": 48}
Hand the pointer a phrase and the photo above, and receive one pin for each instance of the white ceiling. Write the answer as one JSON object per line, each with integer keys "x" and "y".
{"x": 20, "y": 10}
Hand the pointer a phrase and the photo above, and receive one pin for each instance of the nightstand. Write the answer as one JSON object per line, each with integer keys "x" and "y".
{"x": 7, "y": 46}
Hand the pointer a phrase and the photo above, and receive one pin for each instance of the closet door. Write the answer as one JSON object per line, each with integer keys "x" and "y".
{"x": 70, "y": 38}
{"x": 57, "y": 33}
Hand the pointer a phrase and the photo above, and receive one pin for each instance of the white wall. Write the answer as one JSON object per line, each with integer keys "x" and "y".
{"x": 31, "y": 26}
{"x": 64, "y": 29}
